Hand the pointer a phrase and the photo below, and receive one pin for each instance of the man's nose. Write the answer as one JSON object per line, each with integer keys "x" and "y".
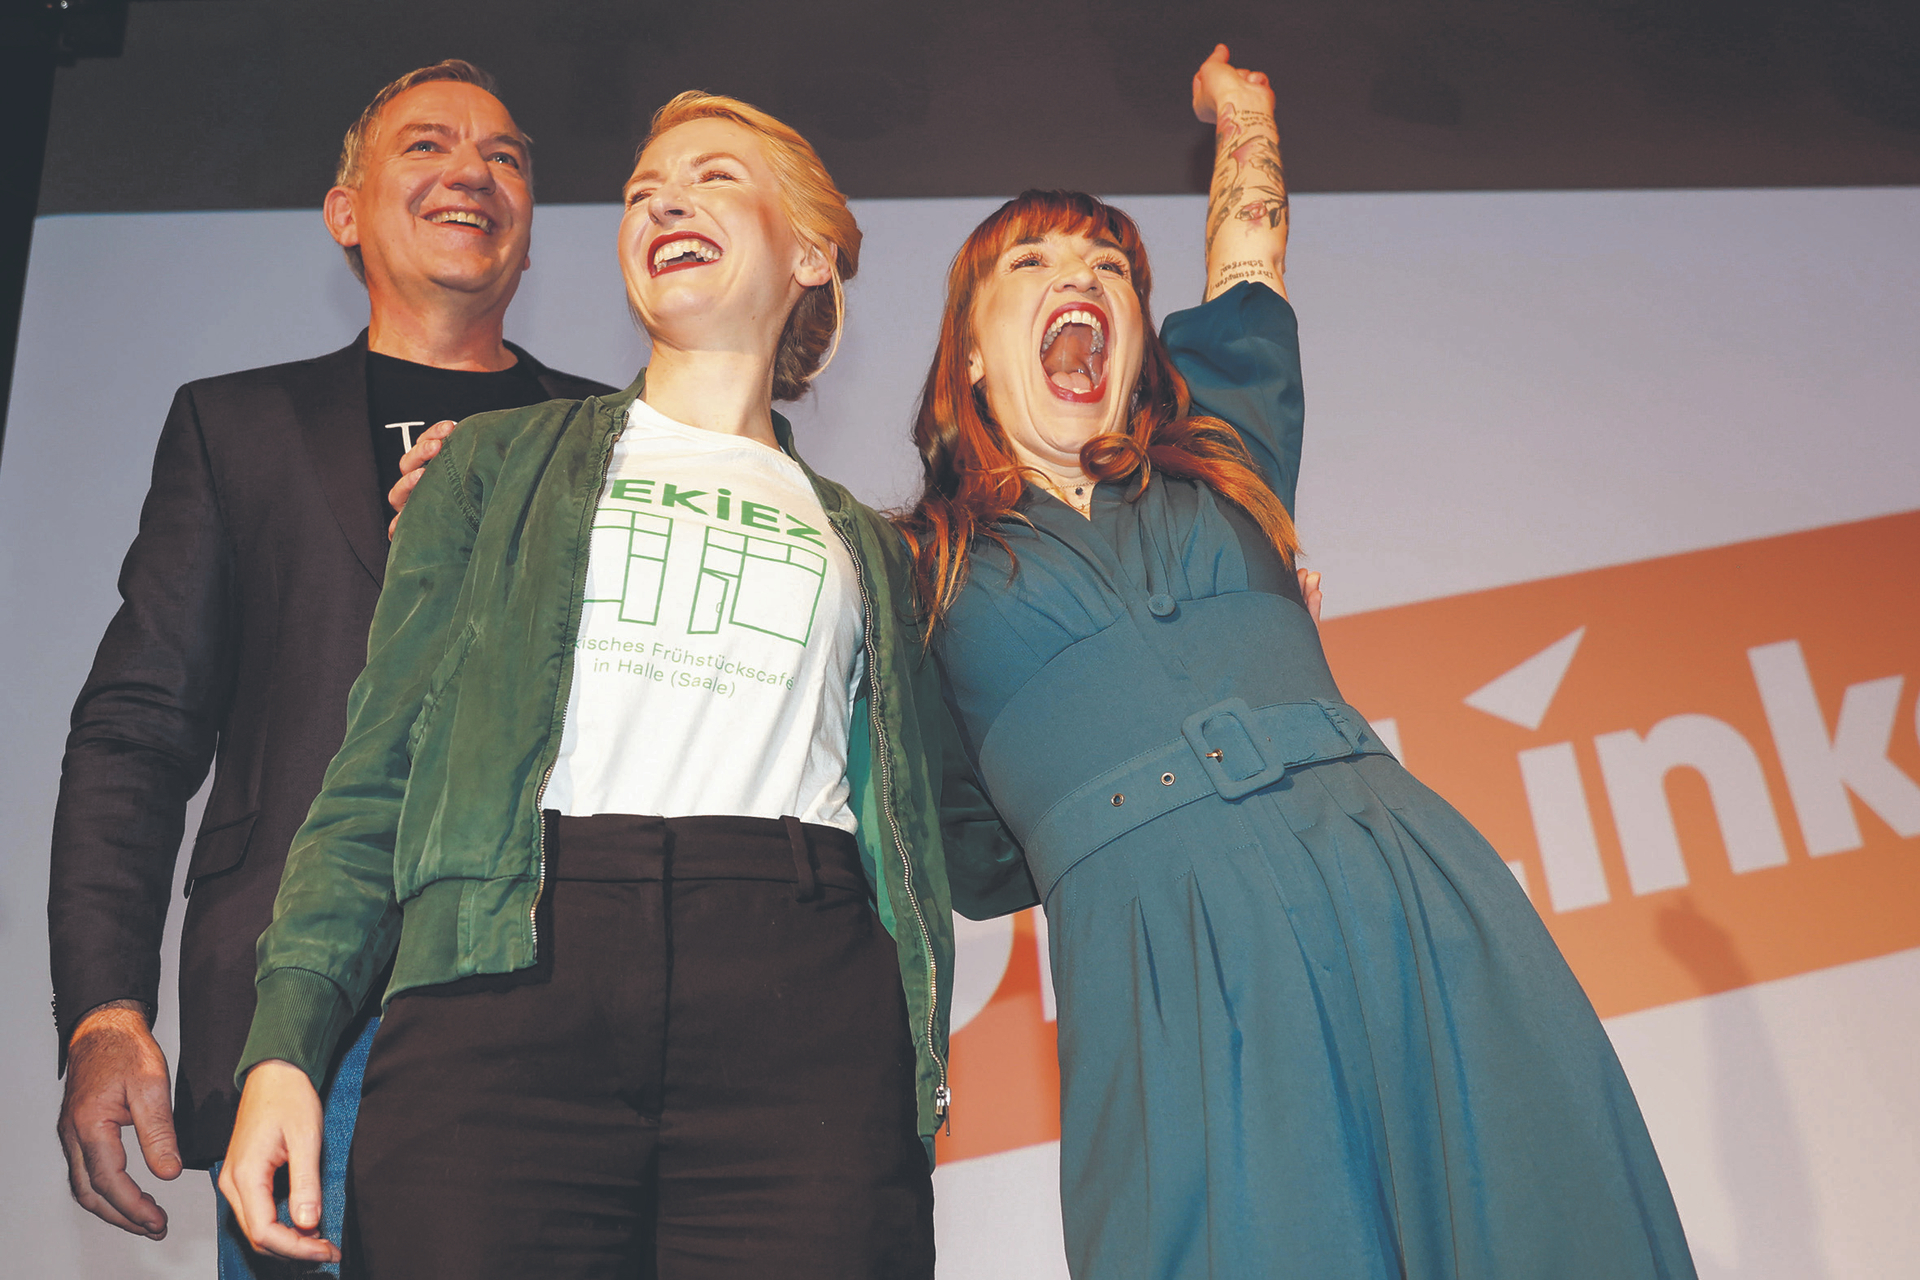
{"x": 469, "y": 170}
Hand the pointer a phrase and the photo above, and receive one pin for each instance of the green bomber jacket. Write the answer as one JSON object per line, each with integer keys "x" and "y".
{"x": 424, "y": 844}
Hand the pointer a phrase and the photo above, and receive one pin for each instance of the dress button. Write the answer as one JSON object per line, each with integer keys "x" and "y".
{"x": 1160, "y": 606}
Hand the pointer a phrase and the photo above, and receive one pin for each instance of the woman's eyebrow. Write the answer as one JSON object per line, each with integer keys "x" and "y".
{"x": 1098, "y": 242}
{"x": 653, "y": 175}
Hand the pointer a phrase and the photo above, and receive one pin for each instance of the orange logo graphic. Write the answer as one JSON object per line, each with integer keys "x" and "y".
{"x": 1705, "y": 770}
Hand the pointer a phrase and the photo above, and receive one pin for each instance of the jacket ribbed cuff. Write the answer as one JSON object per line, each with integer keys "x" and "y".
{"x": 298, "y": 1017}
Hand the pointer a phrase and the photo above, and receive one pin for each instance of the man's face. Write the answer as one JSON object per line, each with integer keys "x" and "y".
{"x": 445, "y": 200}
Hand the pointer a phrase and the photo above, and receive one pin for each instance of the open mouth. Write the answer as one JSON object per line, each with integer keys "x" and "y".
{"x": 462, "y": 218}
{"x": 1073, "y": 353}
{"x": 678, "y": 252}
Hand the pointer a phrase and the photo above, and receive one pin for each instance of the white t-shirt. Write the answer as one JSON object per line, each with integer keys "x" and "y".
{"x": 718, "y": 655}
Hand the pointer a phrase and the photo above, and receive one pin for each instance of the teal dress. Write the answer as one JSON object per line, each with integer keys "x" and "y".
{"x": 1310, "y": 1026}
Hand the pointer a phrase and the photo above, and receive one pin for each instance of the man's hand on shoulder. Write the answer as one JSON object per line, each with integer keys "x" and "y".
{"x": 117, "y": 1076}
{"x": 412, "y": 467}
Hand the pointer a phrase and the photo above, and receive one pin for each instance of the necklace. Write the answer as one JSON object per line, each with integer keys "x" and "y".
{"x": 1078, "y": 496}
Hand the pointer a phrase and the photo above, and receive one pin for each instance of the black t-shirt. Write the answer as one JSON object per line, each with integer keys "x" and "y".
{"x": 404, "y": 399}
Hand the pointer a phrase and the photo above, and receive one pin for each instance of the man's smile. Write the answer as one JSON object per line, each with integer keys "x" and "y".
{"x": 461, "y": 218}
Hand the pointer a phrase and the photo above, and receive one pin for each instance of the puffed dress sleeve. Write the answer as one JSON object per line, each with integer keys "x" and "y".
{"x": 1240, "y": 355}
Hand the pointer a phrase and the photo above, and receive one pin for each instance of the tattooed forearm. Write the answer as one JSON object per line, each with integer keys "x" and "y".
{"x": 1248, "y": 196}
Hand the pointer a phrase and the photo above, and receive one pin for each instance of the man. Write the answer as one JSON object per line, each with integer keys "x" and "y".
{"x": 247, "y": 597}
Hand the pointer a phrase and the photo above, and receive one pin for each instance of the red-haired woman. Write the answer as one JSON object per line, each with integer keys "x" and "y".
{"x": 1309, "y": 1024}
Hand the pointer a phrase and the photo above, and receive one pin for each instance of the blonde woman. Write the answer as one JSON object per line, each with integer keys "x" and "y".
{"x": 640, "y": 799}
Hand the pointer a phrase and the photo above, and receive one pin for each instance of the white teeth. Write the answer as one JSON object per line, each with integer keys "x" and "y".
{"x": 683, "y": 247}
{"x": 464, "y": 217}
{"x": 1087, "y": 318}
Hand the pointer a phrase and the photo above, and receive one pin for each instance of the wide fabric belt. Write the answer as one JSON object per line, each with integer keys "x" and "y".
{"x": 1227, "y": 749}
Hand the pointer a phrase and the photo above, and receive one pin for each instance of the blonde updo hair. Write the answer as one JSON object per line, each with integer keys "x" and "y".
{"x": 820, "y": 217}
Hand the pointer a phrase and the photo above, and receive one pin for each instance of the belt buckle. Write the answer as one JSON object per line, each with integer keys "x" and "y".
{"x": 1213, "y": 758}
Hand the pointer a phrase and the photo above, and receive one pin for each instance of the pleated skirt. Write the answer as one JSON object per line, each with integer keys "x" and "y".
{"x": 1320, "y": 1032}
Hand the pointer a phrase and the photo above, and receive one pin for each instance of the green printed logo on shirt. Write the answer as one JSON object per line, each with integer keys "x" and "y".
{"x": 757, "y": 583}
{"x": 633, "y": 546}
{"x": 743, "y": 580}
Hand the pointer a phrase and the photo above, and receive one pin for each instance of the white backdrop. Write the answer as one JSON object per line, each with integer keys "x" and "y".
{"x": 1500, "y": 388}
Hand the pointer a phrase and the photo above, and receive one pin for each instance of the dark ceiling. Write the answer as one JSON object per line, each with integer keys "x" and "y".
{"x": 241, "y": 103}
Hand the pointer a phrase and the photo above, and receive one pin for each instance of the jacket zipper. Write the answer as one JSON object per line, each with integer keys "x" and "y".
{"x": 942, "y": 1095}
{"x": 576, "y": 608}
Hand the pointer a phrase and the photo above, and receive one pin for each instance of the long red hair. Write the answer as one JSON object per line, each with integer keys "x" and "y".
{"x": 971, "y": 477}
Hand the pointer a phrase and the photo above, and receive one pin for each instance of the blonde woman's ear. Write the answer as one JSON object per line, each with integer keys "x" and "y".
{"x": 816, "y": 266}
{"x": 976, "y": 368}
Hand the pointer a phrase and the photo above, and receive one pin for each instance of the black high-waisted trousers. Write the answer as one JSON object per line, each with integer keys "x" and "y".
{"x": 708, "y": 1075}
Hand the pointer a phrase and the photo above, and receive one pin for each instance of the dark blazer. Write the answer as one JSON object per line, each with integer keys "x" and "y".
{"x": 246, "y": 601}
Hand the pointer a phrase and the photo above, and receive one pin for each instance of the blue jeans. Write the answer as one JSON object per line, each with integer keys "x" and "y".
{"x": 238, "y": 1261}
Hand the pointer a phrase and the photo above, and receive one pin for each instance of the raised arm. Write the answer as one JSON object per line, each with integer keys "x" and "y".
{"x": 1247, "y": 203}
